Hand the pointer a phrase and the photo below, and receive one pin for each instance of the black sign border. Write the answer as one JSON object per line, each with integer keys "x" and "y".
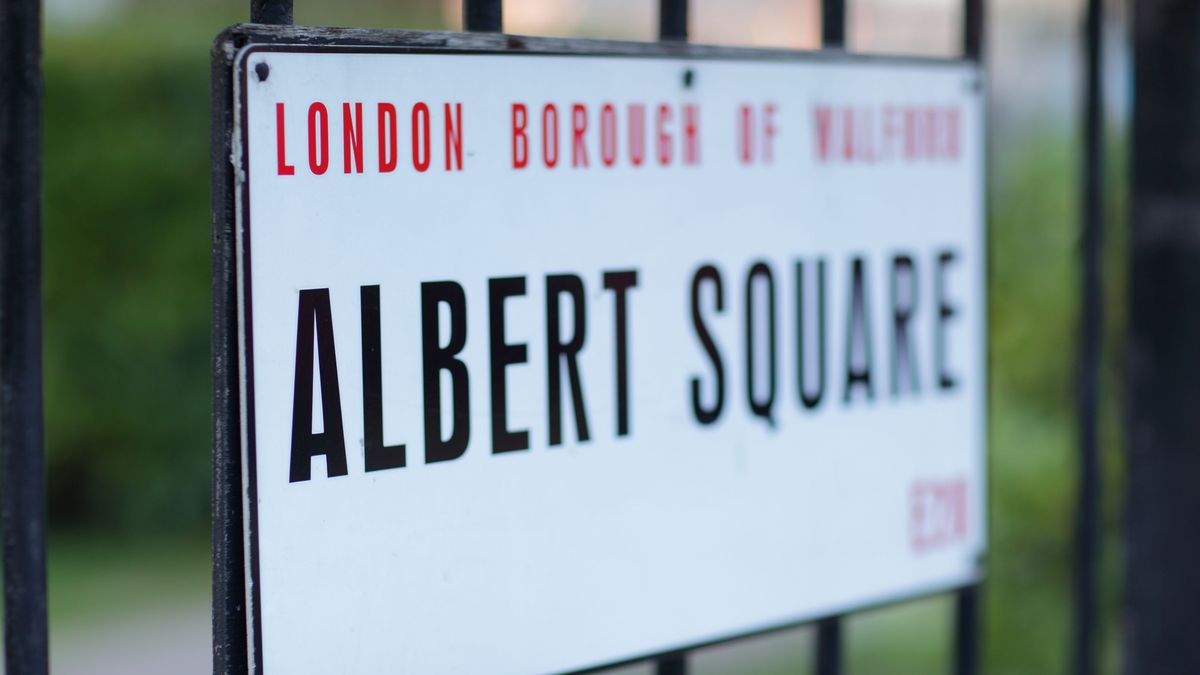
{"x": 231, "y": 625}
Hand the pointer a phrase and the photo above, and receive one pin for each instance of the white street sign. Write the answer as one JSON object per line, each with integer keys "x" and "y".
{"x": 551, "y": 361}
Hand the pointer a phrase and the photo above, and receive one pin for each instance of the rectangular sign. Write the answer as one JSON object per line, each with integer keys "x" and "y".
{"x": 556, "y": 360}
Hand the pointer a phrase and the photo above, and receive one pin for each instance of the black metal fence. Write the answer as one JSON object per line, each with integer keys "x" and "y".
{"x": 22, "y": 468}
{"x": 22, "y": 498}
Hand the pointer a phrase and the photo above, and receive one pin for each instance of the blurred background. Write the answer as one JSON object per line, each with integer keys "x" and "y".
{"x": 127, "y": 243}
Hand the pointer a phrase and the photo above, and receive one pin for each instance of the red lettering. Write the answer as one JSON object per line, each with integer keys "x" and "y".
{"x": 608, "y": 135}
{"x": 454, "y": 137}
{"x": 352, "y": 138}
{"x": 520, "y": 140}
{"x": 848, "y": 133}
{"x": 931, "y": 133}
{"x": 745, "y": 134}
{"x": 824, "y": 126}
{"x": 550, "y": 138}
{"x": 637, "y": 134}
{"x": 318, "y": 149}
{"x": 420, "y": 137}
{"x": 664, "y": 138}
{"x": 387, "y": 138}
{"x": 769, "y": 131}
{"x": 876, "y": 133}
{"x": 691, "y": 145}
{"x": 937, "y": 513}
{"x": 578, "y": 127}
{"x": 910, "y": 134}
{"x": 890, "y": 131}
{"x": 284, "y": 168}
{"x": 867, "y": 141}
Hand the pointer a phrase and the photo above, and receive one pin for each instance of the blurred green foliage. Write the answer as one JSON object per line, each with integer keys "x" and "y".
{"x": 1034, "y": 296}
{"x": 127, "y": 285}
{"x": 127, "y": 243}
{"x": 127, "y": 246}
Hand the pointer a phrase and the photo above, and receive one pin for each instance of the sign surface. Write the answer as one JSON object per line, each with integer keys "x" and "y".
{"x": 557, "y": 360}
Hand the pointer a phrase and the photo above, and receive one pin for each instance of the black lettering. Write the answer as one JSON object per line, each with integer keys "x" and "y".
{"x": 331, "y": 442}
{"x": 760, "y": 406}
{"x": 620, "y": 283}
{"x": 810, "y": 400}
{"x": 376, "y": 455}
{"x": 504, "y": 354}
{"x": 858, "y": 334}
{"x": 945, "y": 312}
{"x": 557, "y": 351}
{"x": 711, "y": 414}
{"x": 436, "y": 359}
{"x": 903, "y": 305}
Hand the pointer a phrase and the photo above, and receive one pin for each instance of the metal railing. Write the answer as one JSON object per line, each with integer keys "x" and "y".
{"x": 22, "y": 471}
{"x": 22, "y": 464}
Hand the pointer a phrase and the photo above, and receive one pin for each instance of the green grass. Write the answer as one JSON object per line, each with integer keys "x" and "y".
{"x": 98, "y": 579}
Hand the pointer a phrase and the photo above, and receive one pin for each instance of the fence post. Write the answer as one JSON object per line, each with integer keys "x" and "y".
{"x": 228, "y": 550}
{"x": 966, "y": 602}
{"x": 966, "y": 631}
{"x": 973, "y": 29}
{"x": 483, "y": 16}
{"x": 673, "y": 20}
{"x": 229, "y": 616}
{"x": 674, "y": 663}
{"x": 277, "y": 12}
{"x": 829, "y": 647}
{"x": 833, "y": 24}
{"x": 672, "y": 27}
{"x": 1163, "y": 552}
{"x": 828, "y": 654}
{"x": 1091, "y": 329}
{"x": 22, "y": 466}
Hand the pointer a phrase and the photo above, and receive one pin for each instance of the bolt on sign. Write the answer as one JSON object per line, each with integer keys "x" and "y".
{"x": 564, "y": 353}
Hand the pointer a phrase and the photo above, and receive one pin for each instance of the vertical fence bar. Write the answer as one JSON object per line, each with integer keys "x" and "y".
{"x": 828, "y": 656}
{"x": 966, "y": 631}
{"x": 483, "y": 16}
{"x": 973, "y": 29}
{"x": 1163, "y": 364}
{"x": 833, "y": 23}
{"x": 671, "y": 664}
{"x": 966, "y": 601}
{"x": 829, "y": 647}
{"x": 229, "y": 620}
{"x": 1083, "y": 647}
{"x": 22, "y": 467}
{"x": 673, "y": 20}
{"x": 228, "y": 550}
{"x": 672, "y": 27}
{"x": 277, "y": 12}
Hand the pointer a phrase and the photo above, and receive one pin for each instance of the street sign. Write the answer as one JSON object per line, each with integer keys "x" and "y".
{"x": 552, "y": 360}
